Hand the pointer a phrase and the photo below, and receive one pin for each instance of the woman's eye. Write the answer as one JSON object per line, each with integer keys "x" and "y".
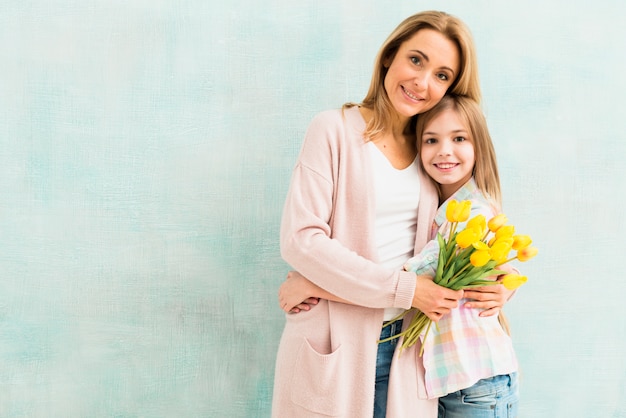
{"x": 416, "y": 60}
{"x": 442, "y": 77}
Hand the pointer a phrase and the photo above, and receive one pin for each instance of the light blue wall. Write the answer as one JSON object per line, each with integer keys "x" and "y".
{"x": 145, "y": 151}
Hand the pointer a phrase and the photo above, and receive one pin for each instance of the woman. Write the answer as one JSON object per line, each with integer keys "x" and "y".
{"x": 358, "y": 207}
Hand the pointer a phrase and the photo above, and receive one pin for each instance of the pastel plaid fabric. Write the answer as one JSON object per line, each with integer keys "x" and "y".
{"x": 463, "y": 348}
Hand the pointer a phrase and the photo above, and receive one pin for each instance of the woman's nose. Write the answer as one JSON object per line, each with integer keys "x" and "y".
{"x": 421, "y": 80}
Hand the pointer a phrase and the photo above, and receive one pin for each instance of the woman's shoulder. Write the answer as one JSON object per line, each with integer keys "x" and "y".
{"x": 336, "y": 125}
{"x": 338, "y": 117}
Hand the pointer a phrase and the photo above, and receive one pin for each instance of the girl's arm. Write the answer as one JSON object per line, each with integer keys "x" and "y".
{"x": 490, "y": 298}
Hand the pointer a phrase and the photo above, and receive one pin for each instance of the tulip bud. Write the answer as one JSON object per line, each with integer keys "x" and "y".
{"x": 505, "y": 231}
{"x": 479, "y": 223}
{"x": 467, "y": 237}
{"x": 513, "y": 281}
{"x": 527, "y": 253}
{"x": 521, "y": 241}
{"x": 496, "y": 222}
{"x": 500, "y": 249}
{"x": 466, "y": 207}
{"x": 479, "y": 258}
{"x": 451, "y": 209}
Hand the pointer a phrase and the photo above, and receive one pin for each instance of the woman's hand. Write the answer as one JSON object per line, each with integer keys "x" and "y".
{"x": 295, "y": 294}
{"x": 433, "y": 300}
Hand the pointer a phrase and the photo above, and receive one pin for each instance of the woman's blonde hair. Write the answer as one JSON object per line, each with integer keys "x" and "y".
{"x": 486, "y": 168}
{"x": 466, "y": 83}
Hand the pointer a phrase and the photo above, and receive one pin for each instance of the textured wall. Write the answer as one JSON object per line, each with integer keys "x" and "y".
{"x": 145, "y": 151}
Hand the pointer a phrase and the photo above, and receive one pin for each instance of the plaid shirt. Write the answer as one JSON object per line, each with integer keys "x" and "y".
{"x": 464, "y": 348}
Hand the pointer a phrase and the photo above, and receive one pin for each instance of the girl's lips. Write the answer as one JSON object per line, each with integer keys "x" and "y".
{"x": 411, "y": 95}
{"x": 445, "y": 166}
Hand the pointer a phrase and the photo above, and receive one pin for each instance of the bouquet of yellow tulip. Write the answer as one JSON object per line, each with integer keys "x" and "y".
{"x": 468, "y": 257}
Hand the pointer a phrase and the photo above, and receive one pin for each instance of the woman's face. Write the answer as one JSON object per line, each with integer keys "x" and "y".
{"x": 421, "y": 72}
{"x": 447, "y": 151}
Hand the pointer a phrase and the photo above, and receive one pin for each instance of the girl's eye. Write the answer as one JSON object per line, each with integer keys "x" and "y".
{"x": 430, "y": 141}
{"x": 443, "y": 77}
{"x": 459, "y": 139}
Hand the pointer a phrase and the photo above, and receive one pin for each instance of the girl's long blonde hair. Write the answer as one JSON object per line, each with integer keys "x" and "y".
{"x": 486, "y": 167}
{"x": 466, "y": 83}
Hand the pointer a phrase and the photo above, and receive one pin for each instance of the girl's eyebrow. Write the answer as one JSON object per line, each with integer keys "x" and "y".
{"x": 456, "y": 131}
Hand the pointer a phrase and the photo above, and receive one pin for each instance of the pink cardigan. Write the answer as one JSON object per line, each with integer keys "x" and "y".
{"x": 326, "y": 360}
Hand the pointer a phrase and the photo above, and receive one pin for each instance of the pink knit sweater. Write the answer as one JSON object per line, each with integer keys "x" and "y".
{"x": 327, "y": 357}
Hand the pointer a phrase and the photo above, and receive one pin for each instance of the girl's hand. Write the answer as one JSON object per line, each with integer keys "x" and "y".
{"x": 491, "y": 298}
{"x": 294, "y": 294}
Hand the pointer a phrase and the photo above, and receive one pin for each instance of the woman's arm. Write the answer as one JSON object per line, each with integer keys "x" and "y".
{"x": 297, "y": 294}
{"x": 324, "y": 225}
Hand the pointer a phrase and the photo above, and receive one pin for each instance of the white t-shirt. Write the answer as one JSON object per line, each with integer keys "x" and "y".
{"x": 397, "y": 198}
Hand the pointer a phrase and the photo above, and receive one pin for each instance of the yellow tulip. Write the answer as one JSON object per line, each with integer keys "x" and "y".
{"x": 505, "y": 231}
{"x": 479, "y": 258}
{"x": 480, "y": 245}
{"x": 513, "y": 281}
{"x": 451, "y": 210}
{"x": 467, "y": 237}
{"x": 521, "y": 242}
{"x": 478, "y": 222}
{"x": 458, "y": 212}
{"x": 466, "y": 207}
{"x": 527, "y": 253}
{"x": 500, "y": 249}
{"x": 496, "y": 222}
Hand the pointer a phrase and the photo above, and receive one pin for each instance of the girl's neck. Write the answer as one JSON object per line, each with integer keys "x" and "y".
{"x": 446, "y": 193}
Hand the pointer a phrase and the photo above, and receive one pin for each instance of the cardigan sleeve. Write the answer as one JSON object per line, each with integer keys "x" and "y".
{"x": 307, "y": 240}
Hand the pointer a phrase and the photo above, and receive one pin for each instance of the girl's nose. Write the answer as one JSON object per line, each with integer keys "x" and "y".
{"x": 444, "y": 149}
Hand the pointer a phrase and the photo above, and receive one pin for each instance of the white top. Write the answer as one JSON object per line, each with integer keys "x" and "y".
{"x": 397, "y": 196}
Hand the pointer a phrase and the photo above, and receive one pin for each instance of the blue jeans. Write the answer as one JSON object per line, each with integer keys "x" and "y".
{"x": 383, "y": 364}
{"x": 495, "y": 397}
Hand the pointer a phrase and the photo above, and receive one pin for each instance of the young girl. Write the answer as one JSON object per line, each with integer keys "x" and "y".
{"x": 469, "y": 359}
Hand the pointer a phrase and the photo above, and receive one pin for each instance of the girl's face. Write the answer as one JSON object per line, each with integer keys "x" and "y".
{"x": 421, "y": 72}
{"x": 448, "y": 151}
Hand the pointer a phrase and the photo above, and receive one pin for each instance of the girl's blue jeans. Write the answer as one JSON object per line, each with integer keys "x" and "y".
{"x": 495, "y": 397}
{"x": 383, "y": 365}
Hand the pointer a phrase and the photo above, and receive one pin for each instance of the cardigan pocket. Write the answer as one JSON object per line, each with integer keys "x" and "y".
{"x": 318, "y": 381}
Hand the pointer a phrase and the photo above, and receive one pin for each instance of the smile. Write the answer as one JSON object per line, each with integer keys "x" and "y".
{"x": 445, "y": 166}
{"x": 411, "y": 95}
